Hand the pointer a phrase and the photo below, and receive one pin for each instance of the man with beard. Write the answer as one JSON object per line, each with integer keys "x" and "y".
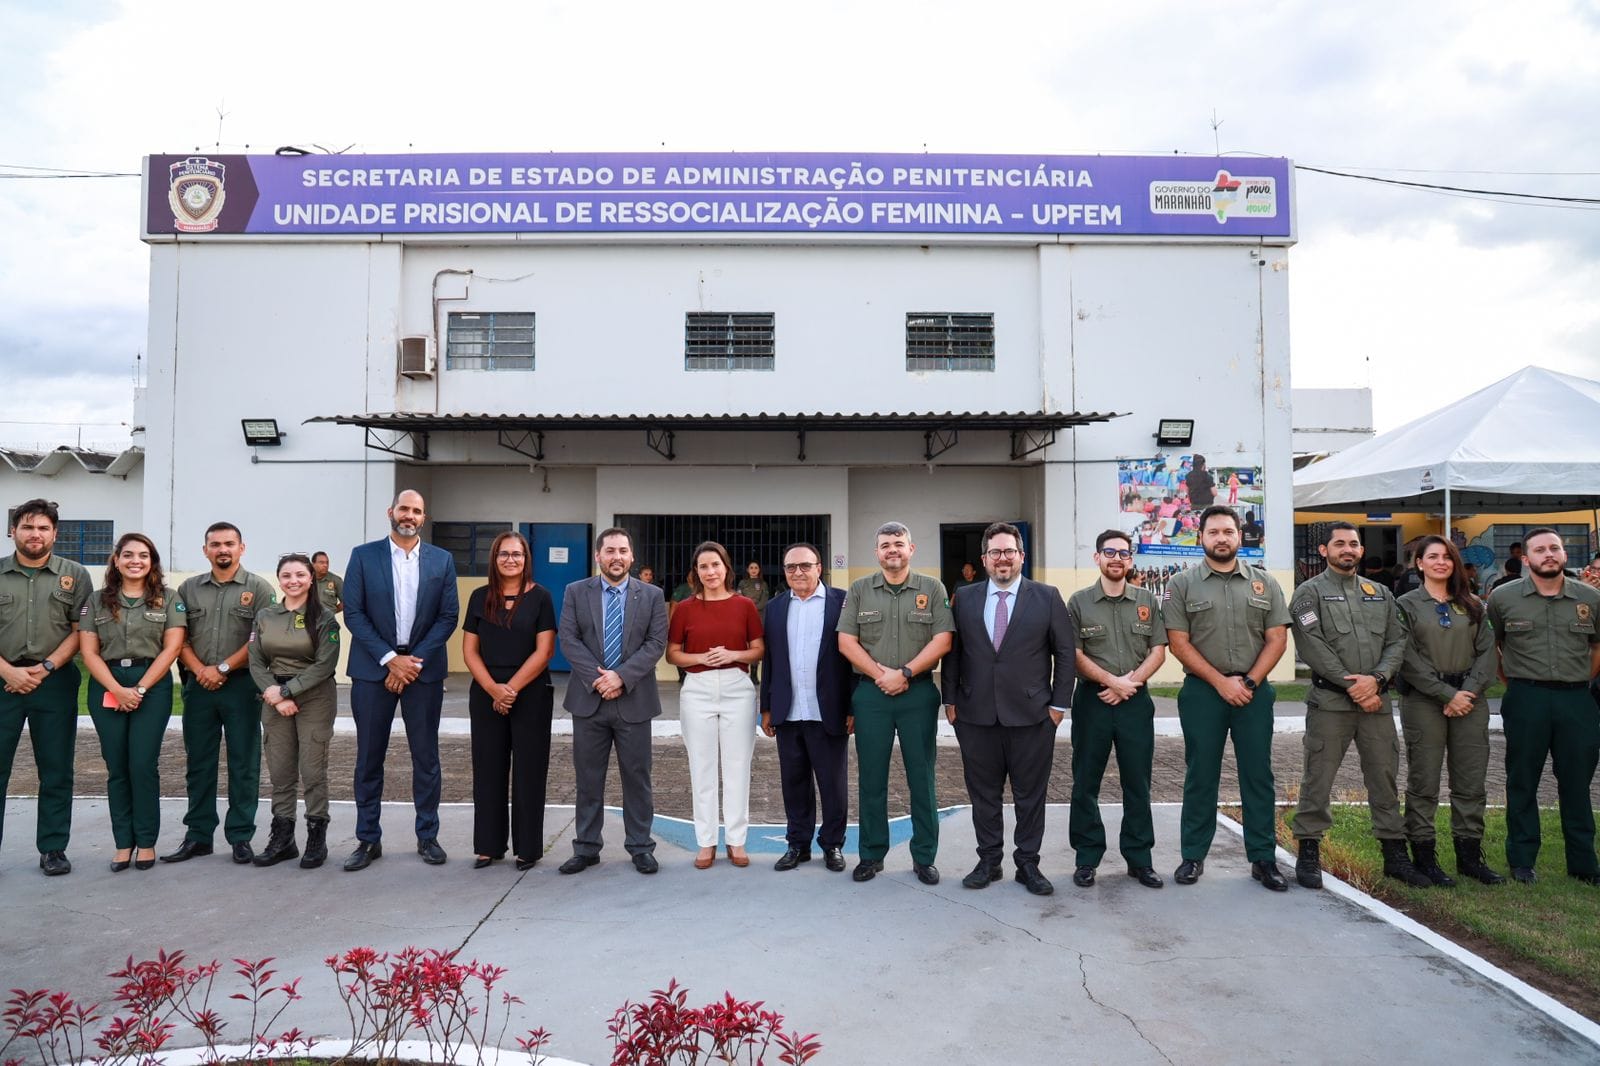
{"x": 1549, "y": 654}
{"x": 1007, "y": 684}
{"x": 894, "y": 628}
{"x": 1121, "y": 642}
{"x": 1228, "y": 625}
{"x": 401, "y": 605}
{"x": 220, "y": 701}
{"x": 1348, "y": 630}
{"x": 42, "y": 596}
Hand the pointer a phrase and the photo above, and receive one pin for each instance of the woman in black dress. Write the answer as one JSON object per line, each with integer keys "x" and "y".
{"x": 509, "y": 634}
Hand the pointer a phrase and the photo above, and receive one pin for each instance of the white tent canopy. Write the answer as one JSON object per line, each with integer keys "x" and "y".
{"x": 1530, "y": 442}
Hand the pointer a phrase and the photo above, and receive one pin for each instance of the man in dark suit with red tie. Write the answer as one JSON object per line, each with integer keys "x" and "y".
{"x": 805, "y": 703}
{"x": 1007, "y": 684}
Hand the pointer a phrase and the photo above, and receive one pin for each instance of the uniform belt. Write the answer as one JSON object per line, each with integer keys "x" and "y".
{"x": 1097, "y": 686}
{"x": 283, "y": 679}
{"x": 1237, "y": 673}
{"x": 1318, "y": 681}
{"x": 134, "y": 662}
{"x": 1567, "y": 686}
{"x": 24, "y": 664}
{"x": 1453, "y": 679}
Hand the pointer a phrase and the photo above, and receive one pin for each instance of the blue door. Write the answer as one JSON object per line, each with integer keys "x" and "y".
{"x": 560, "y": 557}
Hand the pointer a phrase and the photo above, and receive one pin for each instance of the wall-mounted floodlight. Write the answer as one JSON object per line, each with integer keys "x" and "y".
{"x": 1175, "y": 432}
{"x": 261, "y": 431}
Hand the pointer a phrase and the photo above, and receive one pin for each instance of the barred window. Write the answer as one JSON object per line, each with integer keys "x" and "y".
{"x": 719, "y": 341}
{"x": 469, "y": 543}
{"x": 489, "y": 340}
{"x": 84, "y": 541}
{"x": 944, "y": 341}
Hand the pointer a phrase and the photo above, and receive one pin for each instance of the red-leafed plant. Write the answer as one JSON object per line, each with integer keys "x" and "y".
{"x": 665, "y": 1031}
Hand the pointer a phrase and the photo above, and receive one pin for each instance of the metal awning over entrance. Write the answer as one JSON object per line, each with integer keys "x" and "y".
{"x": 406, "y": 433}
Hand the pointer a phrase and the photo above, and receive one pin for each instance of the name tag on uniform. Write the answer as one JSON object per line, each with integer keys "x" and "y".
{"x": 155, "y": 616}
{"x": 1198, "y": 605}
{"x": 1091, "y": 631}
{"x": 869, "y": 616}
{"x": 1519, "y": 625}
{"x": 1143, "y": 629}
{"x": 1260, "y": 605}
{"x": 1335, "y": 599}
{"x": 920, "y": 616}
{"x": 1375, "y": 598}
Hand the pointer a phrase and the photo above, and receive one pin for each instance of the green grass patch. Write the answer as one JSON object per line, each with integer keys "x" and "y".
{"x": 1551, "y": 927}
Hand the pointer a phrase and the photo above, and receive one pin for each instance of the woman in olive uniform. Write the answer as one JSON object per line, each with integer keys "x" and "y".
{"x": 294, "y": 649}
{"x": 1449, "y": 662}
{"x": 131, "y": 634}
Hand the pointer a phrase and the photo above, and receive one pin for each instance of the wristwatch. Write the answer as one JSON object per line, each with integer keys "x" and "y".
{"x": 1249, "y": 682}
{"x": 140, "y": 689}
{"x": 223, "y": 668}
{"x": 1382, "y": 680}
{"x": 907, "y": 674}
{"x": 49, "y": 666}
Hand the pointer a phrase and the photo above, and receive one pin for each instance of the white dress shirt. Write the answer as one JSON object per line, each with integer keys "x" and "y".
{"x": 407, "y": 577}
{"x": 804, "y": 630}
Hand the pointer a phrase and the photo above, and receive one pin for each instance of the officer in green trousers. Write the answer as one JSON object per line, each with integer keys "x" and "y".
{"x": 1121, "y": 642}
{"x": 131, "y": 633}
{"x": 1228, "y": 625}
{"x": 1544, "y": 624}
{"x": 41, "y": 601}
{"x": 219, "y": 698}
{"x": 1348, "y": 630}
{"x": 330, "y": 586}
{"x": 894, "y": 628}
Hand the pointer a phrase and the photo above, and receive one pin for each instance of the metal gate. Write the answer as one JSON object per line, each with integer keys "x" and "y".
{"x": 665, "y": 542}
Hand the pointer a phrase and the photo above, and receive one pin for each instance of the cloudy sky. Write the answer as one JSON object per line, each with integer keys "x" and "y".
{"x": 1423, "y": 296}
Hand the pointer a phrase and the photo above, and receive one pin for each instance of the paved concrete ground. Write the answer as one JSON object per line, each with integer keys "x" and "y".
{"x": 889, "y": 971}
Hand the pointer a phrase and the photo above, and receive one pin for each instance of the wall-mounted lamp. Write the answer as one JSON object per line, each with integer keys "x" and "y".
{"x": 259, "y": 432}
{"x": 1175, "y": 432}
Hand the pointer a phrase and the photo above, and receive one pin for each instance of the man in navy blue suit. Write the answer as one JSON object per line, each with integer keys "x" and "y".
{"x": 401, "y": 605}
{"x": 805, "y": 703}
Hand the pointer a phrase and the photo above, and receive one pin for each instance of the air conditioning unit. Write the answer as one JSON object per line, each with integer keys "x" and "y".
{"x": 417, "y": 359}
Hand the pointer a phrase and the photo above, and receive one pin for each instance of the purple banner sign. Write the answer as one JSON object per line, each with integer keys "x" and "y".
{"x": 795, "y": 193}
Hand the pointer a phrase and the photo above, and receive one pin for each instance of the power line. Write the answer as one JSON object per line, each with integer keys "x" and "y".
{"x": 1547, "y": 198}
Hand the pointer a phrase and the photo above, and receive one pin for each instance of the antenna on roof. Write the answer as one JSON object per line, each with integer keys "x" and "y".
{"x": 1216, "y": 125}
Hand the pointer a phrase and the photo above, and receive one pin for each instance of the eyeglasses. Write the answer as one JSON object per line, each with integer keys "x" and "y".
{"x": 1002, "y": 553}
{"x": 1116, "y": 553}
{"x": 1443, "y": 611}
{"x": 798, "y": 568}
{"x": 509, "y": 555}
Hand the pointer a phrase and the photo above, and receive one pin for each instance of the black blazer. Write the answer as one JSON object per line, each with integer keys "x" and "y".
{"x": 835, "y": 679}
{"x": 1033, "y": 670}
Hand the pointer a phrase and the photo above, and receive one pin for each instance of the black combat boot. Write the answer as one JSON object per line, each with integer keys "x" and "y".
{"x": 1308, "y": 867}
{"x": 280, "y": 844}
{"x": 1425, "y": 857}
{"x": 316, "y": 844}
{"x": 1469, "y": 862}
{"x": 1397, "y": 864}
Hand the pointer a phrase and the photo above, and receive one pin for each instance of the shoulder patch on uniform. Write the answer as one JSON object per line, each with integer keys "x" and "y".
{"x": 1308, "y": 618}
{"x": 333, "y": 635}
{"x": 181, "y": 607}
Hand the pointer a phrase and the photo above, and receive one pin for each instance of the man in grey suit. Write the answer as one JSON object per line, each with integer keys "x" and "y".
{"x": 1007, "y": 684}
{"x": 613, "y": 630}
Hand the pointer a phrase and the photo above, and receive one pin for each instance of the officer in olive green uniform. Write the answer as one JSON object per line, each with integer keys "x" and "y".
{"x": 1448, "y": 653}
{"x": 1228, "y": 624}
{"x": 1348, "y": 631}
{"x": 330, "y": 586}
{"x": 1544, "y": 624}
{"x": 754, "y": 587}
{"x": 1121, "y": 642}
{"x": 219, "y": 698}
{"x": 41, "y": 601}
{"x": 894, "y": 628}
{"x": 124, "y": 647}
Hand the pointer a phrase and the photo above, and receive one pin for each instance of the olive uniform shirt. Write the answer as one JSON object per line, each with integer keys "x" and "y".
{"x": 1226, "y": 615}
{"x": 755, "y": 589}
{"x": 1545, "y": 638}
{"x": 1346, "y": 624}
{"x": 1462, "y": 647}
{"x": 330, "y": 590}
{"x": 895, "y": 622}
{"x": 132, "y": 632}
{"x": 221, "y": 616}
{"x": 1117, "y": 633}
{"x": 281, "y": 646}
{"x": 39, "y": 609}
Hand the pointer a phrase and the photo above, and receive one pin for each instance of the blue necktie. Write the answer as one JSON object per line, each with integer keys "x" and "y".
{"x": 613, "y": 627}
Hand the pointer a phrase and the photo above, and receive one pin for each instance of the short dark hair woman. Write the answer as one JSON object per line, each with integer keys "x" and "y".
{"x": 508, "y": 637}
{"x": 131, "y": 634}
{"x": 294, "y": 650}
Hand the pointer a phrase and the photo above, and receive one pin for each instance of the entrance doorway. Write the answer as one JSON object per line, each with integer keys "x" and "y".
{"x": 962, "y": 542}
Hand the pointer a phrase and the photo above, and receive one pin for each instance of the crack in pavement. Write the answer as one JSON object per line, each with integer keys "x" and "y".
{"x": 510, "y": 889}
{"x": 1083, "y": 972}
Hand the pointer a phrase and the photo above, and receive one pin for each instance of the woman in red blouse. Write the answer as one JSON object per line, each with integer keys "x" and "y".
{"x": 714, "y": 636}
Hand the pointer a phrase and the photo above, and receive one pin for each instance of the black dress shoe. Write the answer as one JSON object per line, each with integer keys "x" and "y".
{"x": 362, "y": 857}
{"x": 119, "y": 865}
{"x": 243, "y": 853}
{"x": 189, "y": 849}
{"x": 55, "y": 863}
{"x": 1146, "y": 876}
{"x": 144, "y": 864}
{"x": 481, "y": 862}
{"x": 792, "y": 858}
{"x": 867, "y": 869}
{"x": 577, "y": 864}
{"x": 1523, "y": 875}
{"x": 645, "y": 863}
{"x": 833, "y": 859}
{"x": 1029, "y": 877}
{"x": 982, "y": 876}
{"x": 526, "y": 864}
{"x": 1083, "y": 877}
{"x": 431, "y": 852}
{"x": 1588, "y": 878}
{"x": 1189, "y": 871}
{"x": 1269, "y": 875}
{"x": 928, "y": 875}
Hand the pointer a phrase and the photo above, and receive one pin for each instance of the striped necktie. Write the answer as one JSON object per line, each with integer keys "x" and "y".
{"x": 613, "y": 621}
{"x": 1002, "y": 617}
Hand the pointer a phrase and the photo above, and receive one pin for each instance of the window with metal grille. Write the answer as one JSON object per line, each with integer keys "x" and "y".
{"x": 665, "y": 543}
{"x": 489, "y": 340}
{"x": 1574, "y": 537}
{"x": 713, "y": 340}
{"x": 946, "y": 341}
{"x": 469, "y": 543}
{"x": 84, "y": 541}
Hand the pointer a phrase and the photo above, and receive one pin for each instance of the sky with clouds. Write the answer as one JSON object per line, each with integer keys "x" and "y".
{"x": 1423, "y": 296}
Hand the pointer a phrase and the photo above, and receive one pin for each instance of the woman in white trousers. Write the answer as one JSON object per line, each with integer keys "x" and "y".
{"x": 714, "y": 637}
